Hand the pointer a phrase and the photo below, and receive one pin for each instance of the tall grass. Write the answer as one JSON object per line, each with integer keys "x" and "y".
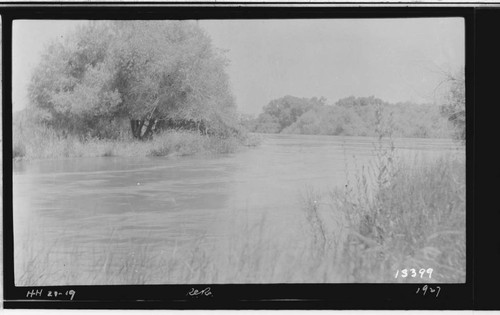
{"x": 249, "y": 257}
{"x": 415, "y": 221}
{"x": 40, "y": 142}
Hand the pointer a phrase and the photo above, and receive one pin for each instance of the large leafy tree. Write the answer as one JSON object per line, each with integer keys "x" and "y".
{"x": 69, "y": 87}
{"x": 146, "y": 72}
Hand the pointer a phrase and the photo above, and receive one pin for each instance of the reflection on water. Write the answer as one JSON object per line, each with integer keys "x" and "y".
{"x": 92, "y": 206}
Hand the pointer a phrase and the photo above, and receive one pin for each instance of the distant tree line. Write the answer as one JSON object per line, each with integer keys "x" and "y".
{"x": 361, "y": 116}
{"x": 135, "y": 76}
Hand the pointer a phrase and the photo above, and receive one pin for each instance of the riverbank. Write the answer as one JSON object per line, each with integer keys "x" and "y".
{"x": 44, "y": 143}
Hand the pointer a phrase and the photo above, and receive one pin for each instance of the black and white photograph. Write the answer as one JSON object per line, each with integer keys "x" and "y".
{"x": 233, "y": 151}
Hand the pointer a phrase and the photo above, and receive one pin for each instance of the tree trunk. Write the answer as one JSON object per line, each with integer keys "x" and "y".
{"x": 141, "y": 124}
{"x": 149, "y": 130}
{"x": 136, "y": 126}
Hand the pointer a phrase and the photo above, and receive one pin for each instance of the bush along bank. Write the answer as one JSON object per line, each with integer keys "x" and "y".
{"x": 40, "y": 142}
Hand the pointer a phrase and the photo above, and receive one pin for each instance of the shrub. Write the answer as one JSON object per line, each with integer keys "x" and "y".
{"x": 109, "y": 151}
{"x": 18, "y": 150}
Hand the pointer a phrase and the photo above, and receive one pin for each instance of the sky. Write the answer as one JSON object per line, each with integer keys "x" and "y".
{"x": 396, "y": 60}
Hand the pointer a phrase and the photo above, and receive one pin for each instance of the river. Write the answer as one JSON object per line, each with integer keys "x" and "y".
{"x": 76, "y": 221}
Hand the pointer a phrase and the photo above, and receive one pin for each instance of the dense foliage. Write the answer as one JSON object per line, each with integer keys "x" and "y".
{"x": 281, "y": 113}
{"x": 142, "y": 76}
{"x": 351, "y": 116}
{"x": 454, "y": 107}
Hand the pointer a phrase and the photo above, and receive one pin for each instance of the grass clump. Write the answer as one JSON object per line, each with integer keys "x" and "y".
{"x": 415, "y": 221}
{"x": 251, "y": 140}
{"x": 109, "y": 151}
